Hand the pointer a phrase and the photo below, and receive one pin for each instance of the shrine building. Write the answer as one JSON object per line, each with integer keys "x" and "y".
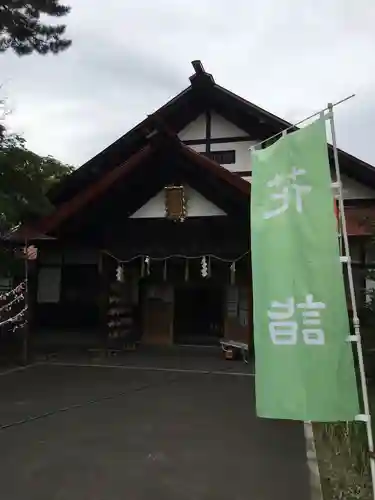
{"x": 150, "y": 239}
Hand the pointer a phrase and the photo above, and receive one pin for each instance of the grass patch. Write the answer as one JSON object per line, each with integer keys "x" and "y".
{"x": 341, "y": 448}
{"x": 343, "y": 460}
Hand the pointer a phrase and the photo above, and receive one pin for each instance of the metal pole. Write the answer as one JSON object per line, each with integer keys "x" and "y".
{"x": 366, "y": 417}
{"x": 283, "y": 132}
{"x": 25, "y": 340}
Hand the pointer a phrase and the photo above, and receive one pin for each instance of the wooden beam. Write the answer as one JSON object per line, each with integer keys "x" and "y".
{"x": 80, "y": 200}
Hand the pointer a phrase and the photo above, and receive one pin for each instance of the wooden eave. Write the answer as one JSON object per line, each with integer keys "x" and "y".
{"x": 203, "y": 93}
{"x": 177, "y": 112}
{"x": 236, "y": 187}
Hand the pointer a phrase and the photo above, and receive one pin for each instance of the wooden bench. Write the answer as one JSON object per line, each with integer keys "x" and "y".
{"x": 233, "y": 346}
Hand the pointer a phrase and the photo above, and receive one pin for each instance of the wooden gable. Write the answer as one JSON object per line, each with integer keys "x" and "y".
{"x": 122, "y": 191}
{"x": 151, "y": 156}
{"x": 201, "y": 102}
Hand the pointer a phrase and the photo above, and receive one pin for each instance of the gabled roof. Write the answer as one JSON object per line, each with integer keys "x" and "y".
{"x": 203, "y": 93}
{"x": 95, "y": 177}
{"x": 196, "y": 166}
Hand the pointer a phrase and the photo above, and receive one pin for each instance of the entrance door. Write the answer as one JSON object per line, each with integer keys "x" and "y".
{"x": 198, "y": 315}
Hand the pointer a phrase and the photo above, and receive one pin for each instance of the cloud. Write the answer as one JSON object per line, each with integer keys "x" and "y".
{"x": 128, "y": 58}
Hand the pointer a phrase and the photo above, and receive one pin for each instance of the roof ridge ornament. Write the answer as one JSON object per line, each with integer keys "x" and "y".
{"x": 198, "y": 67}
{"x": 200, "y": 77}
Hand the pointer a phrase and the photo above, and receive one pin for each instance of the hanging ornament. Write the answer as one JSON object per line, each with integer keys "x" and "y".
{"x": 19, "y": 288}
{"x": 165, "y": 271}
{"x": 7, "y": 307}
{"x": 147, "y": 263}
{"x": 15, "y": 319}
{"x": 187, "y": 270}
{"x": 204, "y": 267}
{"x": 120, "y": 273}
{"x": 233, "y": 273}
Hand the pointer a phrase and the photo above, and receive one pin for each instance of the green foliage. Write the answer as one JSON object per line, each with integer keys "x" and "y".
{"x": 25, "y": 177}
{"x": 22, "y": 30}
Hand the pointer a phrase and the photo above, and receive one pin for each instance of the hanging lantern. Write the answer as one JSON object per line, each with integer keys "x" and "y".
{"x": 204, "y": 267}
{"x": 147, "y": 264}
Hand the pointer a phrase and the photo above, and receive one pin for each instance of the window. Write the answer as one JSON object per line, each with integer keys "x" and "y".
{"x": 222, "y": 157}
{"x": 49, "y": 285}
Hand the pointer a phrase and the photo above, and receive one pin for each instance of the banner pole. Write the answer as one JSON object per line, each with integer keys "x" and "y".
{"x": 294, "y": 125}
{"x": 366, "y": 417}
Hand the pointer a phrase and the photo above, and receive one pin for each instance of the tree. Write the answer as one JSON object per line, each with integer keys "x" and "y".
{"x": 22, "y": 30}
{"x": 25, "y": 178}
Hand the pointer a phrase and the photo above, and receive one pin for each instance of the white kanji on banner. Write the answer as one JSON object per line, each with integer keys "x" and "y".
{"x": 284, "y": 326}
{"x": 288, "y": 189}
{"x": 313, "y": 332}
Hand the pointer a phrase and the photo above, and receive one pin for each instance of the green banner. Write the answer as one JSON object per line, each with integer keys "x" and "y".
{"x": 303, "y": 361}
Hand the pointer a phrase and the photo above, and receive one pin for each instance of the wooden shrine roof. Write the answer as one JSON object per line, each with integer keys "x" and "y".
{"x": 221, "y": 183}
{"x": 202, "y": 94}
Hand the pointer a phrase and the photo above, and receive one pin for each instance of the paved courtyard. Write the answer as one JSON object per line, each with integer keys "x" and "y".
{"x": 160, "y": 427}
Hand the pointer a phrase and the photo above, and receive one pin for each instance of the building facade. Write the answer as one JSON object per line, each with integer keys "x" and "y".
{"x": 150, "y": 239}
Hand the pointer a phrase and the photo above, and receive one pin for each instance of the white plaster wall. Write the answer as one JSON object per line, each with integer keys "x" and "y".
{"x": 220, "y": 127}
{"x": 243, "y": 155}
{"x": 197, "y": 206}
{"x": 195, "y": 129}
{"x": 199, "y": 148}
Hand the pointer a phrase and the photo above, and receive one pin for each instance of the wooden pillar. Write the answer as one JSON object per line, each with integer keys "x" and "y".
{"x": 103, "y": 285}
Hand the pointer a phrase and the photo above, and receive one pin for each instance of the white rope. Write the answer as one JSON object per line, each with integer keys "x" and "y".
{"x": 18, "y": 288}
{"x": 14, "y": 318}
{"x": 18, "y": 298}
{"x": 175, "y": 256}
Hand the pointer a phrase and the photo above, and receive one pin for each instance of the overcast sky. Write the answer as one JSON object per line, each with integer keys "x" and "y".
{"x": 129, "y": 57}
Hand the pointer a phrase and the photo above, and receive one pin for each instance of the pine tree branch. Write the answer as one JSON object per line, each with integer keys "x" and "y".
{"x": 22, "y": 31}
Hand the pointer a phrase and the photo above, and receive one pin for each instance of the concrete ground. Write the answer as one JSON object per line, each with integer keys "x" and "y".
{"x": 160, "y": 426}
